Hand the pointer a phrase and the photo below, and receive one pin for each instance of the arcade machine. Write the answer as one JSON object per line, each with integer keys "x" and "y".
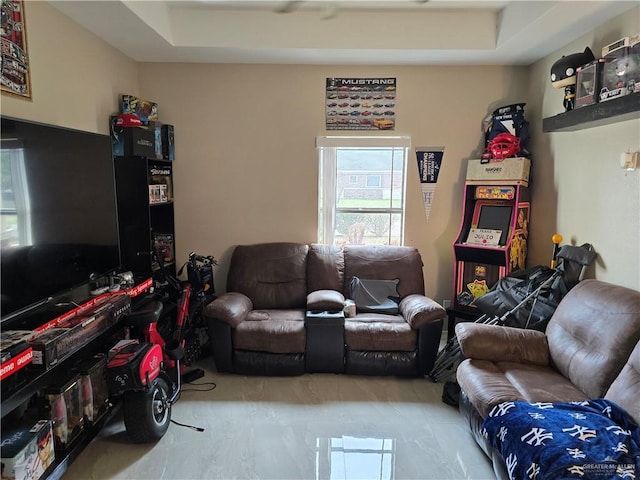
{"x": 492, "y": 239}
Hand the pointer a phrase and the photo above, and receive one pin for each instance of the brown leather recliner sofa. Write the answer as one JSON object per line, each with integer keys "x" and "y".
{"x": 261, "y": 326}
{"x": 591, "y": 349}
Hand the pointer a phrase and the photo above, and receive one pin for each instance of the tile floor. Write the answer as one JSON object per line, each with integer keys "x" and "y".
{"x": 317, "y": 426}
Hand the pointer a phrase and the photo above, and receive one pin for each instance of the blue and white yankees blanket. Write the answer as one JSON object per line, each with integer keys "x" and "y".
{"x": 594, "y": 439}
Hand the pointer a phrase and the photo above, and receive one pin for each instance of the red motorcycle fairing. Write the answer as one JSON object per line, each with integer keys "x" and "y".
{"x": 151, "y": 364}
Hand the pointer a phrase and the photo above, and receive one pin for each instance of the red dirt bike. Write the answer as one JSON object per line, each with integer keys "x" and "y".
{"x": 146, "y": 371}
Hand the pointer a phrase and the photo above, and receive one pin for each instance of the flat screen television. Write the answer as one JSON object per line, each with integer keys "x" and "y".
{"x": 58, "y": 222}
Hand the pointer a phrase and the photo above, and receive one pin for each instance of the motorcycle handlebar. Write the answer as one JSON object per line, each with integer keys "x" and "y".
{"x": 194, "y": 257}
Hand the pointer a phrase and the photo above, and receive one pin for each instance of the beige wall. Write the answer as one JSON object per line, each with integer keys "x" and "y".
{"x": 246, "y": 168}
{"x": 579, "y": 189}
{"x": 76, "y": 78}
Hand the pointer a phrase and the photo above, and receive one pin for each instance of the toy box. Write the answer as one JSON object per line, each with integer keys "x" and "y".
{"x": 168, "y": 143}
{"x": 633, "y": 76}
{"x": 93, "y": 388}
{"x": 615, "y": 70}
{"x": 67, "y": 336}
{"x": 64, "y": 405}
{"x": 588, "y": 83}
{"x": 132, "y": 141}
{"x": 27, "y": 452}
{"x": 12, "y": 343}
{"x": 160, "y": 184}
{"x": 509, "y": 170}
{"x": 145, "y": 110}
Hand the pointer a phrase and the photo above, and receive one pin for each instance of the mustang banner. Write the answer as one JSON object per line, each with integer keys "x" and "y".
{"x": 429, "y": 164}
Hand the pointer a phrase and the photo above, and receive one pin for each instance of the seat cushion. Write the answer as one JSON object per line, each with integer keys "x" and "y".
{"x": 274, "y": 331}
{"x": 488, "y": 384}
{"x": 378, "y": 332}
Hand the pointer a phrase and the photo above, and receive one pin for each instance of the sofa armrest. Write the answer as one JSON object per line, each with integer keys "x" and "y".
{"x": 496, "y": 343}
{"x": 231, "y": 308}
{"x": 325, "y": 300}
{"x": 419, "y": 310}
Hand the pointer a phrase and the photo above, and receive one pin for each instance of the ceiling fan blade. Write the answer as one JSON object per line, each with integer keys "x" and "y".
{"x": 288, "y": 7}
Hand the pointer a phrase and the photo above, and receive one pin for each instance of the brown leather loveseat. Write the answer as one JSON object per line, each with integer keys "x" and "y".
{"x": 590, "y": 350}
{"x": 282, "y": 313}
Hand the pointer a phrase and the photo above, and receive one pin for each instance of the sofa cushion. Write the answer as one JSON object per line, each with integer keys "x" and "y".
{"x": 325, "y": 267}
{"x": 272, "y": 275}
{"x": 592, "y": 334}
{"x": 378, "y": 332}
{"x": 274, "y": 331}
{"x": 625, "y": 389}
{"x": 488, "y": 384}
{"x": 385, "y": 262}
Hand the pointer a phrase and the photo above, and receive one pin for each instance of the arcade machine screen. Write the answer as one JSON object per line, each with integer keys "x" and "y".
{"x": 496, "y": 217}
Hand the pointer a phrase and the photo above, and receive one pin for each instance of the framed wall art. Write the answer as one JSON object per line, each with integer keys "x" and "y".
{"x": 15, "y": 58}
{"x": 360, "y": 104}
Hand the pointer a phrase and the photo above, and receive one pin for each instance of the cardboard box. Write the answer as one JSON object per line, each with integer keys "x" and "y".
{"x": 146, "y": 110}
{"x": 27, "y": 452}
{"x": 55, "y": 344}
{"x": 509, "y": 170}
{"x": 168, "y": 143}
{"x": 45, "y": 347}
{"x": 133, "y": 141}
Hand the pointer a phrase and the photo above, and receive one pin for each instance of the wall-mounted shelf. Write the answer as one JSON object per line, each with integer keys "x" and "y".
{"x": 604, "y": 113}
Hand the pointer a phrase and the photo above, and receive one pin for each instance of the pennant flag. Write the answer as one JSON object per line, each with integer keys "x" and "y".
{"x": 429, "y": 163}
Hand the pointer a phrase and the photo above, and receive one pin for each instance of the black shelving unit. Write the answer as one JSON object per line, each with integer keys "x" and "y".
{"x": 145, "y": 216}
{"x": 604, "y": 113}
{"x": 22, "y": 386}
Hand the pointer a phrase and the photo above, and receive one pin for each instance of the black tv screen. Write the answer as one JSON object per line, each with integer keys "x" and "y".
{"x": 58, "y": 211}
{"x": 496, "y": 217}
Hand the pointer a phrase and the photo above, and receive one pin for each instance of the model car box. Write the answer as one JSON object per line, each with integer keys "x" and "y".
{"x": 509, "y": 170}
{"x": 27, "y": 452}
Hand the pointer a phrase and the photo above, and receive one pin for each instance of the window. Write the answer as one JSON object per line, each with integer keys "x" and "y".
{"x": 370, "y": 211}
{"x": 15, "y": 218}
{"x": 374, "y": 181}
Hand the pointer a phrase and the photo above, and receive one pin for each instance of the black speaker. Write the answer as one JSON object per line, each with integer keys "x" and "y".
{"x": 168, "y": 143}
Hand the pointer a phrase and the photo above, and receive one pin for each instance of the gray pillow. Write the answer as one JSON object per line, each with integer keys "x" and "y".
{"x": 375, "y": 296}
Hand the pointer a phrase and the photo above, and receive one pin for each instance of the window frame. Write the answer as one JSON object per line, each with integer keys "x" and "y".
{"x": 327, "y": 180}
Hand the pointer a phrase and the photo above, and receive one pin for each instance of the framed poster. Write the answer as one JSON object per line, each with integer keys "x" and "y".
{"x": 15, "y": 58}
{"x": 360, "y": 104}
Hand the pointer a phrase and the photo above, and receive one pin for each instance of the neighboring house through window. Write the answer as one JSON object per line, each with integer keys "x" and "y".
{"x": 362, "y": 185}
